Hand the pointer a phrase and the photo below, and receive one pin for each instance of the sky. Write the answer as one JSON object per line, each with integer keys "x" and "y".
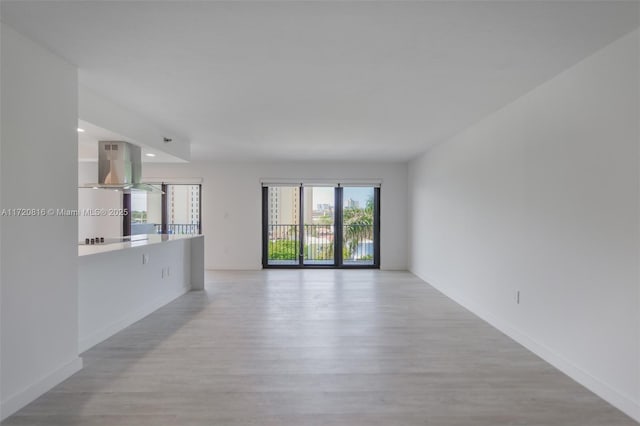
{"x": 321, "y": 195}
{"x": 324, "y": 195}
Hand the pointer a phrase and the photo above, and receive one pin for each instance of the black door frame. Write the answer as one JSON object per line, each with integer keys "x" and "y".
{"x": 338, "y": 233}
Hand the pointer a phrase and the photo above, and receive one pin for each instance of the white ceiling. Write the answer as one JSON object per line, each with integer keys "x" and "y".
{"x": 90, "y": 136}
{"x": 318, "y": 80}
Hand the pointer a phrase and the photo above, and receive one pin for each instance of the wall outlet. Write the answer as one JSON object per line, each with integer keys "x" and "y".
{"x": 145, "y": 259}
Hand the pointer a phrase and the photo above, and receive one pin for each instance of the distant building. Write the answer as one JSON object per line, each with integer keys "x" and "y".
{"x": 184, "y": 204}
{"x": 322, "y": 208}
{"x": 284, "y": 205}
{"x": 352, "y": 204}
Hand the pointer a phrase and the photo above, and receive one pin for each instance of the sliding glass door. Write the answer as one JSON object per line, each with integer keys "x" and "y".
{"x": 358, "y": 225}
{"x": 320, "y": 226}
{"x": 318, "y": 220}
{"x": 281, "y": 223}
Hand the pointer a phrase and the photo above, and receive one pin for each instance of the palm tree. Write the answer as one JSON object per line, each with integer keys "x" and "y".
{"x": 358, "y": 226}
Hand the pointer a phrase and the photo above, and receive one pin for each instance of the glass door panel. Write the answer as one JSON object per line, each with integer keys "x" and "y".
{"x": 358, "y": 212}
{"x": 283, "y": 225}
{"x": 319, "y": 225}
{"x": 146, "y": 212}
{"x": 183, "y": 209}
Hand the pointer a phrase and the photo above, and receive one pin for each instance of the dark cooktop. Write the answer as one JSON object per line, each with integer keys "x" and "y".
{"x": 105, "y": 240}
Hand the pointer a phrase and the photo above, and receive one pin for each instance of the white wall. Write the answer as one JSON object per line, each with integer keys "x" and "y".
{"x": 232, "y": 200}
{"x": 38, "y": 254}
{"x": 542, "y": 197}
{"x": 1, "y": 226}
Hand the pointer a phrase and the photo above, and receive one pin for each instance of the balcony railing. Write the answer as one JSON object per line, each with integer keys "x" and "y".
{"x": 284, "y": 243}
{"x": 319, "y": 241}
{"x": 179, "y": 228}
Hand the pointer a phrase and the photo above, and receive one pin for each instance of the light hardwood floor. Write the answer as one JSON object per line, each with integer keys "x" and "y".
{"x": 315, "y": 347}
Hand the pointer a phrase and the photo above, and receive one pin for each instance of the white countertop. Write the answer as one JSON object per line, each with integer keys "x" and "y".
{"x": 85, "y": 250}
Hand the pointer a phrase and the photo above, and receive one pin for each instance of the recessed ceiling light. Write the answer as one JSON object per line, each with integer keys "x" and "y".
{"x": 150, "y": 154}
{"x": 80, "y": 130}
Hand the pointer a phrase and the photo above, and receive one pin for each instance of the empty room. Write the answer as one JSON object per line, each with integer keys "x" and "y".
{"x": 305, "y": 213}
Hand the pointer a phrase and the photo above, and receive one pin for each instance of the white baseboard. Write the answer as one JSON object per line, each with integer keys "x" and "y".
{"x": 622, "y": 402}
{"x": 15, "y": 402}
{"x": 100, "y": 335}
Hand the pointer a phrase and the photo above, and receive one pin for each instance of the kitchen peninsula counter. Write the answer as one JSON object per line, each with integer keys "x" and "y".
{"x": 146, "y": 240}
{"x": 120, "y": 283}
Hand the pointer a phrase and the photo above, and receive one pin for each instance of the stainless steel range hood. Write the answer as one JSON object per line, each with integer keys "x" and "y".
{"x": 120, "y": 167}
